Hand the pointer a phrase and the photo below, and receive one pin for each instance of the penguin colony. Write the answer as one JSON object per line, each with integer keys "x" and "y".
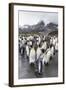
{"x": 38, "y": 49}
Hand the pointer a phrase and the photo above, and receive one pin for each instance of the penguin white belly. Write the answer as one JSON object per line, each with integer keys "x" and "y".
{"x": 52, "y": 51}
{"x": 48, "y": 56}
{"x": 56, "y": 46}
{"x": 44, "y": 59}
{"x": 32, "y": 57}
{"x": 39, "y": 67}
{"x": 38, "y": 53}
{"x": 27, "y": 50}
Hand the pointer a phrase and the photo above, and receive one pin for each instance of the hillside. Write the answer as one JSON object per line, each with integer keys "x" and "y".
{"x": 39, "y": 27}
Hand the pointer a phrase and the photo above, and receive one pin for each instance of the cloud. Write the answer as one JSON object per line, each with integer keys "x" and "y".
{"x": 30, "y": 18}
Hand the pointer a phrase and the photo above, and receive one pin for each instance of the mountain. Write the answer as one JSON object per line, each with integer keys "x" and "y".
{"x": 39, "y": 27}
{"x": 32, "y": 28}
{"x": 52, "y": 26}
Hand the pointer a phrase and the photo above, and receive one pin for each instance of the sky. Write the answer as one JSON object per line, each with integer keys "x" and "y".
{"x": 32, "y": 17}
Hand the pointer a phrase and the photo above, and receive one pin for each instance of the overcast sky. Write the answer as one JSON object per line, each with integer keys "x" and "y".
{"x": 30, "y": 18}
